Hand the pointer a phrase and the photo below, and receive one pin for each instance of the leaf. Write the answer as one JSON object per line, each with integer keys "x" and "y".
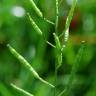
{"x": 75, "y": 67}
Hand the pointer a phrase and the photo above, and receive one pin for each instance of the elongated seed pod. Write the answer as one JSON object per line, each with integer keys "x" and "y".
{"x": 59, "y": 57}
{"x": 66, "y": 37}
{"x": 69, "y": 17}
{"x": 27, "y": 65}
{"x": 36, "y": 9}
{"x": 21, "y": 90}
{"x": 35, "y": 26}
{"x": 39, "y": 13}
{"x": 67, "y": 24}
{"x": 59, "y": 52}
{"x": 58, "y": 45}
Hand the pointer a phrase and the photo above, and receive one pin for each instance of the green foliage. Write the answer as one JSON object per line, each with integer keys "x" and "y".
{"x": 75, "y": 67}
{"x": 58, "y": 45}
{"x": 78, "y": 68}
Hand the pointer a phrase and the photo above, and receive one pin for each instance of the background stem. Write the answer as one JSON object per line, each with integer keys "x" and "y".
{"x": 56, "y": 30}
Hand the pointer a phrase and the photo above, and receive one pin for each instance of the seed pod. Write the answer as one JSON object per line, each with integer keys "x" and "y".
{"x": 69, "y": 17}
{"x": 66, "y": 37}
{"x": 67, "y": 24}
{"x": 22, "y": 60}
{"x": 21, "y": 90}
{"x": 36, "y": 9}
{"x": 27, "y": 65}
{"x": 59, "y": 57}
{"x": 57, "y": 13}
{"x": 58, "y": 45}
{"x": 58, "y": 51}
{"x": 35, "y": 26}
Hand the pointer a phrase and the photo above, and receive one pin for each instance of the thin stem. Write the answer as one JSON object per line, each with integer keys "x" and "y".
{"x": 56, "y": 30}
{"x": 51, "y": 44}
{"x": 48, "y": 21}
{"x": 60, "y": 2}
{"x": 56, "y": 20}
{"x": 21, "y": 90}
{"x": 56, "y": 72}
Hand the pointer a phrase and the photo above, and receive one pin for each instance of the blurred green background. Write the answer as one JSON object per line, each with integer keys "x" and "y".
{"x": 16, "y": 29}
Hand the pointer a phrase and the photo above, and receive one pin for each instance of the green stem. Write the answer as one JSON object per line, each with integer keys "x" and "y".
{"x": 56, "y": 20}
{"x": 56, "y": 30}
{"x": 21, "y": 90}
{"x": 48, "y": 21}
{"x": 56, "y": 72}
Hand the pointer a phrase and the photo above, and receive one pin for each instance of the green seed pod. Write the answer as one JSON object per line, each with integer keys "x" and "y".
{"x": 27, "y": 65}
{"x": 57, "y": 13}
{"x": 36, "y": 9}
{"x": 66, "y": 37}
{"x": 34, "y": 25}
{"x": 58, "y": 51}
{"x": 21, "y": 90}
{"x": 69, "y": 17}
{"x": 59, "y": 57}
{"x": 58, "y": 45}
{"x": 23, "y": 61}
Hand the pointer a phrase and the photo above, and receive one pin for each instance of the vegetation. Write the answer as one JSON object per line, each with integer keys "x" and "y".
{"x": 66, "y": 69}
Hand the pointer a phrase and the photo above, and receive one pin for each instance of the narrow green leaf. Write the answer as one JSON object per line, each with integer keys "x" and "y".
{"x": 36, "y": 9}
{"x": 27, "y": 65}
{"x": 35, "y": 26}
{"x": 21, "y": 90}
{"x": 74, "y": 70}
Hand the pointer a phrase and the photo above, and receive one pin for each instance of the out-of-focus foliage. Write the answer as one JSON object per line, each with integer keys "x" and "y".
{"x": 15, "y": 28}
